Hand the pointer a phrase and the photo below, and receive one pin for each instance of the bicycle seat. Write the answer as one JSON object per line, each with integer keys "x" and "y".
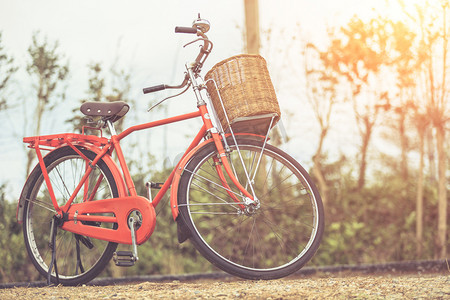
{"x": 112, "y": 111}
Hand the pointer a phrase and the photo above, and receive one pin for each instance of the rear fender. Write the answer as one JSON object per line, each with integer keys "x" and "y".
{"x": 29, "y": 183}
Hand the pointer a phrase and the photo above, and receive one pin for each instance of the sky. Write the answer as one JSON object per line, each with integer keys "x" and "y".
{"x": 138, "y": 36}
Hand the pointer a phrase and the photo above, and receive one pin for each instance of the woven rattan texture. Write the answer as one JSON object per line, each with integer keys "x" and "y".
{"x": 245, "y": 87}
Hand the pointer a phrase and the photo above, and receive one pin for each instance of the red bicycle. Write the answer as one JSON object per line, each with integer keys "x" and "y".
{"x": 247, "y": 206}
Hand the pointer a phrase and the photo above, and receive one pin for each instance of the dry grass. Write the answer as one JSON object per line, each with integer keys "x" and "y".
{"x": 334, "y": 286}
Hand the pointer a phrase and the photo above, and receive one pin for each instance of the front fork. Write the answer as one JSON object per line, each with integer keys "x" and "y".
{"x": 249, "y": 199}
{"x": 248, "y": 205}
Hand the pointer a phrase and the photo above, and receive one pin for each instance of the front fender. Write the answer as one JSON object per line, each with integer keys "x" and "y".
{"x": 176, "y": 178}
{"x": 29, "y": 183}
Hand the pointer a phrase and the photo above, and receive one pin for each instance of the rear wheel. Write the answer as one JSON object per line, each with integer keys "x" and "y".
{"x": 266, "y": 241}
{"x": 79, "y": 259}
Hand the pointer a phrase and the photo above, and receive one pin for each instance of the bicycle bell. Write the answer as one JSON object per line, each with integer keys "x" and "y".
{"x": 201, "y": 24}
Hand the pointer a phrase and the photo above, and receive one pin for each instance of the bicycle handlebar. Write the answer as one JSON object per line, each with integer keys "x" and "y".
{"x": 161, "y": 87}
{"x": 181, "y": 29}
{"x": 154, "y": 88}
{"x": 205, "y": 50}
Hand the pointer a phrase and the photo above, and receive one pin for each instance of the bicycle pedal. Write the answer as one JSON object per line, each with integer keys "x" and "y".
{"x": 152, "y": 186}
{"x": 155, "y": 185}
{"x": 124, "y": 258}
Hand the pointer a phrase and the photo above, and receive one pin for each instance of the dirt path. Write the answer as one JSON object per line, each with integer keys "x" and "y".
{"x": 336, "y": 286}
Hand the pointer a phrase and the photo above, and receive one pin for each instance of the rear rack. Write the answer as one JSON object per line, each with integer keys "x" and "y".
{"x": 56, "y": 140}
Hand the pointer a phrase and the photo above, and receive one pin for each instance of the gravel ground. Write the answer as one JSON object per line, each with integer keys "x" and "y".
{"x": 334, "y": 286}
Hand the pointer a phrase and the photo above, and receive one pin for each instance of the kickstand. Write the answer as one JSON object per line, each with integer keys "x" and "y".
{"x": 52, "y": 245}
{"x": 77, "y": 247}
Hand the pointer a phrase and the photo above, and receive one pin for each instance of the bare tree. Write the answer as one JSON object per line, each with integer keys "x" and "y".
{"x": 434, "y": 48}
{"x": 321, "y": 91}
{"x": 358, "y": 55}
{"x": 422, "y": 123}
{"x": 404, "y": 62}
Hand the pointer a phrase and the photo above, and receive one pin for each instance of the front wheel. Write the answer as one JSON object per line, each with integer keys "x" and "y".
{"x": 266, "y": 241}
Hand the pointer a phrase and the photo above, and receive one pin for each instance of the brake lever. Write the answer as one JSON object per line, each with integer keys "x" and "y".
{"x": 167, "y": 98}
{"x": 199, "y": 39}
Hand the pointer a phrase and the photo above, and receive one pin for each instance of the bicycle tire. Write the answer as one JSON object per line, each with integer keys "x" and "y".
{"x": 65, "y": 168}
{"x": 273, "y": 241}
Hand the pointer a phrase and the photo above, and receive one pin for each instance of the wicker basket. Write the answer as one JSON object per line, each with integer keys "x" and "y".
{"x": 247, "y": 93}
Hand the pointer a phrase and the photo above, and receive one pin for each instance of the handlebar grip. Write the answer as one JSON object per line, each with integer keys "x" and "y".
{"x": 154, "y": 88}
{"x": 180, "y": 29}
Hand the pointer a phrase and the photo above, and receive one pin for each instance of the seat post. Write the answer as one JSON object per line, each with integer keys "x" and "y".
{"x": 111, "y": 128}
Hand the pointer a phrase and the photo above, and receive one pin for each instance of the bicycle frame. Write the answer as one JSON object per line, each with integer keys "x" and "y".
{"x": 128, "y": 200}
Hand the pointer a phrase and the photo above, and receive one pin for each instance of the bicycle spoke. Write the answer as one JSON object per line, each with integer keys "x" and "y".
{"x": 273, "y": 188}
{"x": 213, "y": 213}
{"x": 42, "y": 204}
{"x": 76, "y": 258}
{"x": 212, "y": 182}
{"x": 283, "y": 244}
{"x": 250, "y": 237}
{"x": 64, "y": 184}
{"x": 210, "y": 193}
{"x": 286, "y": 202}
{"x": 225, "y": 233}
{"x": 261, "y": 237}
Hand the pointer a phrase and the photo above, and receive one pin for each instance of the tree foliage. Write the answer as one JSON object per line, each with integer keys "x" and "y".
{"x": 405, "y": 69}
{"x": 97, "y": 85}
{"x": 48, "y": 72}
{"x": 15, "y": 264}
{"x": 7, "y": 69}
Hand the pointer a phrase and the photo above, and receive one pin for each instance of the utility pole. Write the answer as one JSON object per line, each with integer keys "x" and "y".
{"x": 252, "y": 26}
